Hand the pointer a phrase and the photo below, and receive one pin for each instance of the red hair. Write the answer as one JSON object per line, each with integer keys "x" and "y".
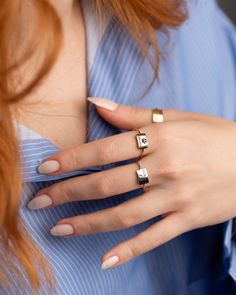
{"x": 142, "y": 18}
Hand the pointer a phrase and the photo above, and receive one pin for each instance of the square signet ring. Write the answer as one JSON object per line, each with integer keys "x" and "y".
{"x": 142, "y": 141}
{"x": 142, "y": 175}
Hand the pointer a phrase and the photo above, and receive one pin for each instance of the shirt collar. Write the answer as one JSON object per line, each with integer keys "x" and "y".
{"x": 115, "y": 67}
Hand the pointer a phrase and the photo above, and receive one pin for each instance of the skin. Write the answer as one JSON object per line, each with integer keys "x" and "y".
{"x": 191, "y": 162}
{"x": 190, "y": 158}
{"x": 59, "y": 103}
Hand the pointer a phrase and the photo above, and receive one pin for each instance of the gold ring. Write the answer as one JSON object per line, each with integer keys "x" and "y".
{"x": 142, "y": 175}
{"x": 157, "y": 116}
{"x": 142, "y": 141}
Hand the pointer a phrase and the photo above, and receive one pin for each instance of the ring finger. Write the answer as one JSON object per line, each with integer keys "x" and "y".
{"x": 95, "y": 186}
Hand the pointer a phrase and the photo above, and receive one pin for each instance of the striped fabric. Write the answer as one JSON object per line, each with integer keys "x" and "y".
{"x": 197, "y": 73}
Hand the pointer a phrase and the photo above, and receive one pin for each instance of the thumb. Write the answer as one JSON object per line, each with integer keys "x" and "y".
{"x": 122, "y": 116}
{"x": 130, "y": 117}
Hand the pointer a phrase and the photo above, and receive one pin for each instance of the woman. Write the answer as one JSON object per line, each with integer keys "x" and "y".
{"x": 176, "y": 227}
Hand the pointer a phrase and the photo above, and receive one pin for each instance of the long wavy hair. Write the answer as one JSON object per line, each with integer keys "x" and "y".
{"x": 142, "y": 18}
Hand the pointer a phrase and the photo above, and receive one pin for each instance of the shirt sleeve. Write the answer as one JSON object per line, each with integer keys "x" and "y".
{"x": 230, "y": 249}
{"x": 229, "y": 241}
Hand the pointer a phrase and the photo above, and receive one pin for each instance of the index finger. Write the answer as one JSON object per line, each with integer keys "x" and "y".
{"x": 99, "y": 152}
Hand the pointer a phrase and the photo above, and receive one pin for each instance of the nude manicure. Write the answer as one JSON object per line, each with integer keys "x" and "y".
{"x": 62, "y": 230}
{"x": 40, "y": 202}
{"x": 104, "y": 102}
{"x": 48, "y": 167}
{"x": 109, "y": 262}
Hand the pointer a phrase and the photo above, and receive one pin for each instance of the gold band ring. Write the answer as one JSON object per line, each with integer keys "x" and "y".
{"x": 157, "y": 116}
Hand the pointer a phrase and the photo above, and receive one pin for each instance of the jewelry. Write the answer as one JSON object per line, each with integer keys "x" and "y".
{"x": 142, "y": 175}
{"x": 142, "y": 141}
{"x": 157, "y": 116}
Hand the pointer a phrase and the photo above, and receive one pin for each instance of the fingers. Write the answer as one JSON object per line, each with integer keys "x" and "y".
{"x": 103, "y": 151}
{"x": 129, "y": 117}
{"x": 153, "y": 237}
{"x": 94, "y": 186}
{"x": 122, "y": 216}
{"x": 176, "y": 115}
{"x": 122, "y": 116}
{"x": 118, "y": 147}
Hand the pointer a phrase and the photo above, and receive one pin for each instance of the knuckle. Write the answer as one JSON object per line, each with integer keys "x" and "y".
{"x": 71, "y": 159}
{"x": 155, "y": 240}
{"x": 122, "y": 219}
{"x": 88, "y": 224}
{"x": 56, "y": 190}
{"x": 83, "y": 226}
{"x": 172, "y": 168}
{"x": 163, "y": 133}
{"x": 105, "y": 152}
{"x": 90, "y": 227}
{"x": 159, "y": 130}
{"x": 131, "y": 251}
{"x": 105, "y": 185}
{"x": 68, "y": 195}
{"x": 171, "y": 164}
{"x": 134, "y": 111}
{"x": 182, "y": 197}
{"x": 64, "y": 192}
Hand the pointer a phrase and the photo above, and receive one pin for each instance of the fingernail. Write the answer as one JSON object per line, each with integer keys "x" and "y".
{"x": 40, "y": 202}
{"x": 104, "y": 102}
{"x": 62, "y": 230}
{"x": 109, "y": 262}
{"x": 48, "y": 167}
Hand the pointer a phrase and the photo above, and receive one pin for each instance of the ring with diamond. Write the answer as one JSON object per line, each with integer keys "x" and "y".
{"x": 142, "y": 141}
{"x": 142, "y": 175}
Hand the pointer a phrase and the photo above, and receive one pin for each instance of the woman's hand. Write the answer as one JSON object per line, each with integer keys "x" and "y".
{"x": 191, "y": 161}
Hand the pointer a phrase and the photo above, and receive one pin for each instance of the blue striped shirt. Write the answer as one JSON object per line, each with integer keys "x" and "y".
{"x": 197, "y": 73}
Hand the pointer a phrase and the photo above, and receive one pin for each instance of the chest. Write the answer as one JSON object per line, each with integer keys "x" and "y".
{"x": 59, "y": 103}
